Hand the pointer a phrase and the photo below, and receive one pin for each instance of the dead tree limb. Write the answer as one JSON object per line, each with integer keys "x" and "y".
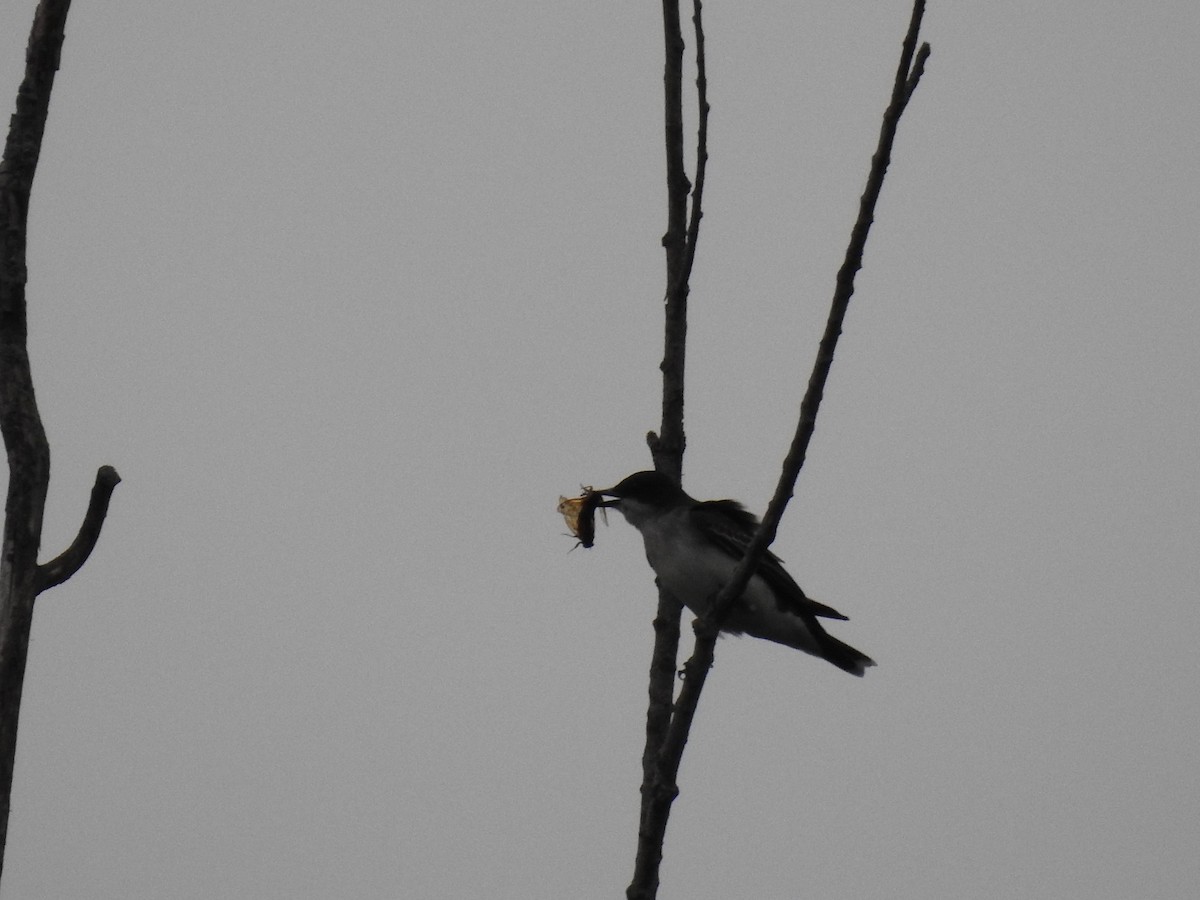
{"x": 21, "y": 578}
{"x": 908, "y": 74}
{"x": 660, "y": 788}
{"x": 667, "y": 446}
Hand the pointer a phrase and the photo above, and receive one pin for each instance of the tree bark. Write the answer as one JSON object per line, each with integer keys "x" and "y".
{"x": 21, "y": 579}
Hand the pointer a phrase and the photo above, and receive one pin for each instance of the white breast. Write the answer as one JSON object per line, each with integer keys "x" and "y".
{"x": 688, "y": 568}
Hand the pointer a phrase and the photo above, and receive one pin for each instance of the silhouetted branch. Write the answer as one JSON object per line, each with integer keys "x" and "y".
{"x": 682, "y": 235}
{"x": 666, "y": 447}
{"x": 907, "y": 76}
{"x": 24, "y": 437}
{"x": 693, "y": 232}
{"x": 72, "y": 559}
{"x": 657, "y": 802}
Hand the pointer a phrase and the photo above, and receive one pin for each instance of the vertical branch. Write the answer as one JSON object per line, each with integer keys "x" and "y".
{"x": 683, "y": 232}
{"x": 667, "y": 447}
{"x": 693, "y": 232}
{"x": 24, "y": 437}
{"x": 657, "y": 804}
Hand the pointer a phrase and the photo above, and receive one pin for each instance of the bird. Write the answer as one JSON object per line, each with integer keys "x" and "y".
{"x": 694, "y": 546}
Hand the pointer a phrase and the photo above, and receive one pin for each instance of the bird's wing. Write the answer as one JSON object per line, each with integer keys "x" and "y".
{"x": 730, "y": 526}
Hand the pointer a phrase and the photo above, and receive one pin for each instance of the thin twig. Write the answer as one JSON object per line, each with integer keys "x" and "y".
{"x": 693, "y": 232}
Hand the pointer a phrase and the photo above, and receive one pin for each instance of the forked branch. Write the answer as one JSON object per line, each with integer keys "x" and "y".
{"x": 21, "y": 578}
{"x": 667, "y": 446}
{"x": 659, "y": 790}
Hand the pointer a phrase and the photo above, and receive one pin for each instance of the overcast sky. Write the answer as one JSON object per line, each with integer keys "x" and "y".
{"x": 349, "y": 293}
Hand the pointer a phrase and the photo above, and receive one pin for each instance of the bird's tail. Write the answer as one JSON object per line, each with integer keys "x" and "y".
{"x": 844, "y": 656}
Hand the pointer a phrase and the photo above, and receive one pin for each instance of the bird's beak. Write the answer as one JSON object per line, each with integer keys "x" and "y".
{"x": 607, "y": 492}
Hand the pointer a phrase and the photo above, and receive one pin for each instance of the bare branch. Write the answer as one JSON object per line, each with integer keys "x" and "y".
{"x": 905, "y": 82}
{"x": 693, "y": 232}
{"x": 666, "y": 447}
{"x": 918, "y": 69}
{"x": 657, "y": 802}
{"x": 655, "y": 793}
{"x": 72, "y": 559}
{"x": 24, "y": 437}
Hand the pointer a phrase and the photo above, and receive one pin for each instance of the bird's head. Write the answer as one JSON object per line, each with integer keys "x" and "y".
{"x": 643, "y": 495}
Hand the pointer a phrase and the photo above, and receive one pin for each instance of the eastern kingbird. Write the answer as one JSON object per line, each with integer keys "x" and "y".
{"x": 694, "y": 546}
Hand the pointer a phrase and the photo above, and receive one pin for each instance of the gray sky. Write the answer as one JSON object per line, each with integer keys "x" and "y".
{"x": 349, "y": 293}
